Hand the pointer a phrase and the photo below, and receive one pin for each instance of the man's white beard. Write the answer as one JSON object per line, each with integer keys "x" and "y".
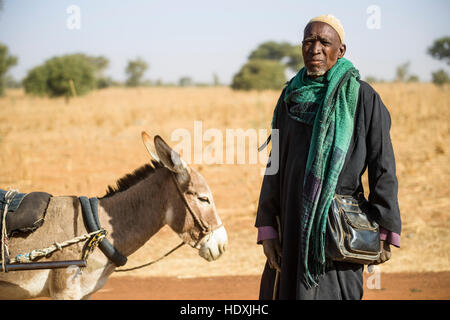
{"x": 315, "y": 73}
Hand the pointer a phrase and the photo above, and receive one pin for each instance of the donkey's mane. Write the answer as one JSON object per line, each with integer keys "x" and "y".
{"x": 130, "y": 179}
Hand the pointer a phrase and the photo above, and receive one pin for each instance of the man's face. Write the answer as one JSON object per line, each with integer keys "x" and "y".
{"x": 321, "y": 48}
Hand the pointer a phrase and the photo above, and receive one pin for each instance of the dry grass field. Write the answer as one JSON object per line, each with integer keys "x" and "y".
{"x": 81, "y": 147}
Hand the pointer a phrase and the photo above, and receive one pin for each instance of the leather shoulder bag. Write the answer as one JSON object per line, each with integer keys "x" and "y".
{"x": 352, "y": 235}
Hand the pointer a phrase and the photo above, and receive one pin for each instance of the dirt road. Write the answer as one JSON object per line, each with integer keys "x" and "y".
{"x": 395, "y": 286}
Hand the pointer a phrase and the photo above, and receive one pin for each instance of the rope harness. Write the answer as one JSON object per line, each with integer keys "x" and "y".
{"x": 5, "y": 251}
{"x": 93, "y": 237}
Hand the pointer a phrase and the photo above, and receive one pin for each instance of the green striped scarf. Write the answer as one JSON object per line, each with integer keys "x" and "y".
{"x": 327, "y": 103}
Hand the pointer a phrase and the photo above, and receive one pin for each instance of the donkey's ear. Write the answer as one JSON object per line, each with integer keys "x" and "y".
{"x": 170, "y": 158}
{"x": 148, "y": 143}
{"x": 172, "y": 161}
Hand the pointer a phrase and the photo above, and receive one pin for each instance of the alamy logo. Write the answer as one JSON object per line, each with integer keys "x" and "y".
{"x": 74, "y": 276}
{"x": 73, "y": 21}
{"x": 234, "y": 146}
{"x": 374, "y": 279}
{"x": 374, "y": 19}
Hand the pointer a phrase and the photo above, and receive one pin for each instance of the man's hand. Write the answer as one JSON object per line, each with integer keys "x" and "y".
{"x": 385, "y": 252}
{"x": 272, "y": 250}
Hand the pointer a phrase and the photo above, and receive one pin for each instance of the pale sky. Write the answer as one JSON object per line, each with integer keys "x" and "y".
{"x": 197, "y": 38}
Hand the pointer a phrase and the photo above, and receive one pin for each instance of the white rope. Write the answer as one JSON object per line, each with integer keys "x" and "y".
{"x": 32, "y": 255}
{"x": 8, "y": 197}
{"x": 37, "y": 253}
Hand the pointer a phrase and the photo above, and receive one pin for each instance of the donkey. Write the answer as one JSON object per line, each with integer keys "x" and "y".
{"x": 167, "y": 193}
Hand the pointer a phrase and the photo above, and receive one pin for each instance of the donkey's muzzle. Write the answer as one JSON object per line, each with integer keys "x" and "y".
{"x": 214, "y": 244}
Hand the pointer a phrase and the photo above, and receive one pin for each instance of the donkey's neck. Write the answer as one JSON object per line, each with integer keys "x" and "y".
{"x": 133, "y": 216}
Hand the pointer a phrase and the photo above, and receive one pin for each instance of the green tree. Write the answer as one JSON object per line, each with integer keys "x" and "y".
{"x": 185, "y": 82}
{"x": 11, "y": 83}
{"x": 413, "y": 78}
{"x": 216, "y": 80}
{"x": 35, "y": 82}
{"x": 402, "y": 71}
{"x": 266, "y": 66}
{"x": 135, "y": 71}
{"x": 105, "y": 82}
{"x": 284, "y": 52}
{"x": 440, "y": 77}
{"x": 6, "y": 62}
{"x": 55, "y": 76}
{"x": 371, "y": 79}
{"x": 440, "y": 49}
{"x": 260, "y": 74}
{"x": 99, "y": 64}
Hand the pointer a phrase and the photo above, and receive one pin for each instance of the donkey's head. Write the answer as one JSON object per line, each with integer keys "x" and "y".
{"x": 192, "y": 214}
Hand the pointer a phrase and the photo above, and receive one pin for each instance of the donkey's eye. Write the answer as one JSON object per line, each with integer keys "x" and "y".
{"x": 203, "y": 199}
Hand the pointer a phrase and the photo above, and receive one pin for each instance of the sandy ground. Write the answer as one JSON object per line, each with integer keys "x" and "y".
{"x": 393, "y": 286}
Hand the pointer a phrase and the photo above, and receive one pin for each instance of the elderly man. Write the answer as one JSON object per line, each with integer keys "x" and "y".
{"x": 324, "y": 112}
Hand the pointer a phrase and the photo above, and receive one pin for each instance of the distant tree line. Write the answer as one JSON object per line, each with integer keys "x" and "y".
{"x": 77, "y": 74}
{"x": 440, "y": 50}
{"x": 7, "y": 61}
{"x": 402, "y": 74}
{"x": 61, "y": 76}
{"x": 266, "y": 68}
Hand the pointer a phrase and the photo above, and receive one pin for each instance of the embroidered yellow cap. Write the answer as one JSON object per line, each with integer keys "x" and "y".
{"x": 333, "y": 22}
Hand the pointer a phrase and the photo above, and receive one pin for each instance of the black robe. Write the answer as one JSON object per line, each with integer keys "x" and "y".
{"x": 370, "y": 147}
